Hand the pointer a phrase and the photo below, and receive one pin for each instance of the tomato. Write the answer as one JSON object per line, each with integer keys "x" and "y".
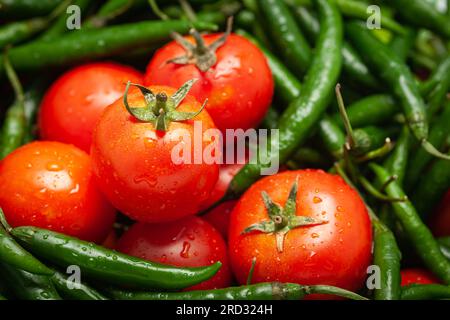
{"x": 239, "y": 85}
{"x": 135, "y": 168}
{"x": 417, "y": 276}
{"x": 50, "y": 185}
{"x": 440, "y": 221}
{"x": 75, "y": 101}
{"x": 330, "y": 245}
{"x": 189, "y": 242}
{"x": 219, "y": 217}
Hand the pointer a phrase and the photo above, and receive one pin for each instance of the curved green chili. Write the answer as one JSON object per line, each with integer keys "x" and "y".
{"x": 431, "y": 187}
{"x": 397, "y": 161}
{"x": 418, "y": 233}
{"x": 332, "y": 137}
{"x": 26, "y": 8}
{"x": 420, "y": 158}
{"x": 440, "y": 73}
{"x": 286, "y": 84}
{"x": 423, "y": 14}
{"x": 352, "y": 64}
{"x": 402, "y": 44}
{"x": 260, "y": 291}
{"x": 108, "y": 265}
{"x": 285, "y": 33}
{"x": 304, "y": 113}
{"x": 28, "y": 286}
{"x": 425, "y": 292}
{"x": 74, "y": 291}
{"x": 438, "y": 94}
{"x": 91, "y": 44}
{"x": 398, "y": 77}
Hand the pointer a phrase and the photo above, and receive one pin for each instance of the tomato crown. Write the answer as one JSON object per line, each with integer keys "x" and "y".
{"x": 203, "y": 56}
{"x": 282, "y": 219}
{"x": 161, "y": 109}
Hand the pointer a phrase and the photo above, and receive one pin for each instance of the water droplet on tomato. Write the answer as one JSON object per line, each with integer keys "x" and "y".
{"x": 51, "y": 166}
{"x": 185, "y": 251}
{"x": 317, "y": 200}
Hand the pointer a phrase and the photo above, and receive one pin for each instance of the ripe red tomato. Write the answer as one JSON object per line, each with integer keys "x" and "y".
{"x": 49, "y": 185}
{"x": 74, "y": 103}
{"x": 333, "y": 248}
{"x": 417, "y": 276}
{"x": 239, "y": 86}
{"x": 134, "y": 164}
{"x": 189, "y": 242}
{"x": 440, "y": 221}
{"x": 219, "y": 217}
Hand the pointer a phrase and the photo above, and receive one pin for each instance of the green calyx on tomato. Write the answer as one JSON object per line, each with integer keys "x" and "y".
{"x": 282, "y": 219}
{"x": 161, "y": 109}
{"x": 203, "y": 56}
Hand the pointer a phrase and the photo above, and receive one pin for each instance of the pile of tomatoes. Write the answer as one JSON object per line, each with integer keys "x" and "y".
{"x": 95, "y": 159}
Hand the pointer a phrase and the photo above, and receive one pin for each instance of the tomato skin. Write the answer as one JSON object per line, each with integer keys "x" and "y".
{"x": 134, "y": 167}
{"x": 440, "y": 221}
{"x": 335, "y": 253}
{"x": 50, "y": 185}
{"x": 73, "y": 104}
{"x": 239, "y": 87}
{"x": 219, "y": 217}
{"x": 417, "y": 276}
{"x": 189, "y": 242}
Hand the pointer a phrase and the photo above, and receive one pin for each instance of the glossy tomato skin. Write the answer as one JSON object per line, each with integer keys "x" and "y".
{"x": 417, "y": 276}
{"x": 440, "y": 221}
{"x": 73, "y": 104}
{"x": 134, "y": 166}
{"x": 334, "y": 253}
{"x": 239, "y": 87}
{"x": 189, "y": 242}
{"x": 219, "y": 217}
{"x": 50, "y": 185}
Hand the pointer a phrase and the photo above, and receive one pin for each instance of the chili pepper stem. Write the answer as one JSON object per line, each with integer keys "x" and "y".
{"x": 3, "y": 221}
{"x": 322, "y": 289}
{"x": 428, "y": 147}
{"x": 348, "y": 126}
{"x": 156, "y": 10}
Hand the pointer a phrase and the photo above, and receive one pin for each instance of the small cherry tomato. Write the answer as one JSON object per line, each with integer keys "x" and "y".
{"x": 136, "y": 161}
{"x": 219, "y": 217}
{"x": 50, "y": 185}
{"x": 417, "y": 276}
{"x": 75, "y": 101}
{"x": 189, "y": 242}
{"x": 235, "y": 78}
{"x": 307, "y": 227}
{"x": 440, "y": 221}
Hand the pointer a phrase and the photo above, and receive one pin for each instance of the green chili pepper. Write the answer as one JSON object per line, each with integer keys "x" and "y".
{"x": 438, "y": 95}
{"x": 420, "y": 158}
{"x": 91, "y": 44}
{"x": 397, "y": 162}
{"x": 260, "y": 291}
{"x": 32, "y": 99}
{"x": 445, "y": 246}
{"x": 285, "y": 33}
{"x": 370, "y": 138}
{"x": 372, "y": 110}
{"x": 74, "y": 291}
{"x": 440, "y": 73}
{"x": 270, "y": 121}
{"x": 13, "y": 130}
{"x": 357, "y": 9}
{"x": 108, "y": 265}
{"x": 418, "y": 233}
{"x": 286, "y": 84}
{"x": 431, "y": 187}
{"x": 425, "y": 292}
{"x": 422, "y": 14}
{"x": 304, "y": 113}
{"x": 26, "y": 8}
{"x": 398, "y": 77}
{"x": 28, "y": 286}
{"x": 353, "y": 66}
{"x": 108, "y": 11}
{"x": 332, "y": 136}
{"x": 402, "y": 44}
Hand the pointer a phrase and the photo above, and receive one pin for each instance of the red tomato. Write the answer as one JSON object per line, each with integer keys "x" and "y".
{"x": 219, "y": 217}
{"x": 440, "y": 222}
{"x": 334, "y": 250}
{"x": 239, "y": 86}
{"x": 417, "y": 276}
{"x": 135, "y": 168}
{"x": 189, "y": 242}
{"x": 49, "y": 185}
{"x": 74, "y": 103}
